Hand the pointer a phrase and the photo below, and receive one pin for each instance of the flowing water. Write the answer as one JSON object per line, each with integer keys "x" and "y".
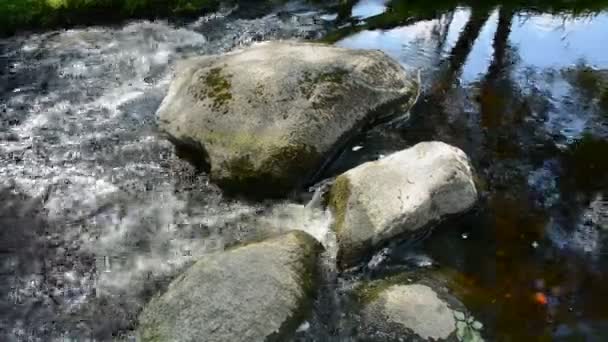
{"x": 98, "y": 214}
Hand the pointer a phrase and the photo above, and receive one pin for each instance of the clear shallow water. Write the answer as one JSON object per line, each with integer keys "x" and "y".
{"x": 101, "y": 213}
{"x": 507, "y": 87}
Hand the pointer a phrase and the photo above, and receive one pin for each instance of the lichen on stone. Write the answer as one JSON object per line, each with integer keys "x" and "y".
{"x": 336, "y": 76}
{"x": 333, "y": 79}
{"x": 259, "y": 90}
{"x": 216, "y": 86}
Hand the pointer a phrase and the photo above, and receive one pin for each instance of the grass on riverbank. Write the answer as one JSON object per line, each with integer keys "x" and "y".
{"x": 27, "y": 14}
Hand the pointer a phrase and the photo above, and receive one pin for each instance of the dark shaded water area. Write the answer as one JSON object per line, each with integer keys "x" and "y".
{"x": 521, "y": 92}
{"x": 97, "y": 212}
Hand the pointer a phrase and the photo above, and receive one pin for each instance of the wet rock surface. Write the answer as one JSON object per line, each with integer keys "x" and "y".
{"x": 401, "y": 193}
{"x": 265, "y": 119}
{"x": 256, "y": 292}
{"x": 413, "y": 308}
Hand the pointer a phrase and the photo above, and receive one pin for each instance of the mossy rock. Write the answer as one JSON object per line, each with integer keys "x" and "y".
{"x": 413, "y": 306}
{"x": 419, "y": 187}
{"x": 267, "y": 118}
{"x": 260, "y": 291}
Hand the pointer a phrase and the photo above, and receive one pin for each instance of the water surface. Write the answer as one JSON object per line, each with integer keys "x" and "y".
{"x": 98, "y": 213}
{"x": 520, "y": 91}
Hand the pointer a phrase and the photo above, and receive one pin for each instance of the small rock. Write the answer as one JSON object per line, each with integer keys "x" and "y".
{"x": 405, "y": 192}
{"x": 415, "y": 307}
{"x": 393, "y": 308}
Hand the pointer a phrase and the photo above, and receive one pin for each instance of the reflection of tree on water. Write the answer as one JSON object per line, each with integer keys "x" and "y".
{"x": 452, "y": 66}
{"x": 498, "y": 97}
{"x": 499, "y": 121}
{"x": 440, "y": 33}
{"x": 439, "y": 100}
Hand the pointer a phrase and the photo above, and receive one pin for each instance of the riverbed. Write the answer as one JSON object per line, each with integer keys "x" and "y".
{"x": 98, "y": 213}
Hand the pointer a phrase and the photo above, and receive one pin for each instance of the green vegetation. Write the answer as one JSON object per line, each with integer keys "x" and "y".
{"x": 28, "y": 14}
{"x": 368, "y": 292}
{"x": 35, "y": 14}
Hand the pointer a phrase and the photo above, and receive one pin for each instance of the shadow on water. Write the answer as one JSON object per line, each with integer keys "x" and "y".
{"x": 522, "y": 88}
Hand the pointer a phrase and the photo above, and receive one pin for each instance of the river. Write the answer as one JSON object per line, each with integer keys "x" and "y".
{"x": 97, "y": 213}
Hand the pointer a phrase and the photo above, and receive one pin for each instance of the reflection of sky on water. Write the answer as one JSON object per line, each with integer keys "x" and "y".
{"x": 415, "y": 46}
{"x": 458, "y": 20}
{"x": 519, "y": 124}
{"x": 548, "y": 41}
{"x": 369, "y": 8}
{"x": 411, "y": 45}
{"x": 479, "y": 58}
{"x": 541, "y": 41}
{"x": 541, "y": 45}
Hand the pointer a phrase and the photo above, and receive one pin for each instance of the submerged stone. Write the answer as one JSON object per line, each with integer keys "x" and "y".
{"x": 265, "y": 119}
{"x": 413, "y": 309}
{"x": 256, "y": 292}
{"x": 402, "y": 193}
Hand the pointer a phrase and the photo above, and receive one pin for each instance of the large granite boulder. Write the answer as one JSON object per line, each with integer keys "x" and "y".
{"x": 265, "y": 119}
{"x": 406, "y": 192}
{"x": 256, "y": 292}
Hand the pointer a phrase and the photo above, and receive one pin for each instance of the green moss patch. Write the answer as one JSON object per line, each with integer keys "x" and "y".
{"x": 309, "y": 279}
{"x": 338, "y": 201}
{"x": 218, "y": 88}
{"x": 214, "y": 85}
{"x": 280, "y": 171}
{"x": 370, "y": 291}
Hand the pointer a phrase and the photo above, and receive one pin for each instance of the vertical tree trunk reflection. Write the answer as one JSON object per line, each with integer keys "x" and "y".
{"x": 453, "y": 65}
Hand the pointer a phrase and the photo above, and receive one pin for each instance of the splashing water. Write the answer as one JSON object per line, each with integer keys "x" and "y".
{"x": 119, "y": 213}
